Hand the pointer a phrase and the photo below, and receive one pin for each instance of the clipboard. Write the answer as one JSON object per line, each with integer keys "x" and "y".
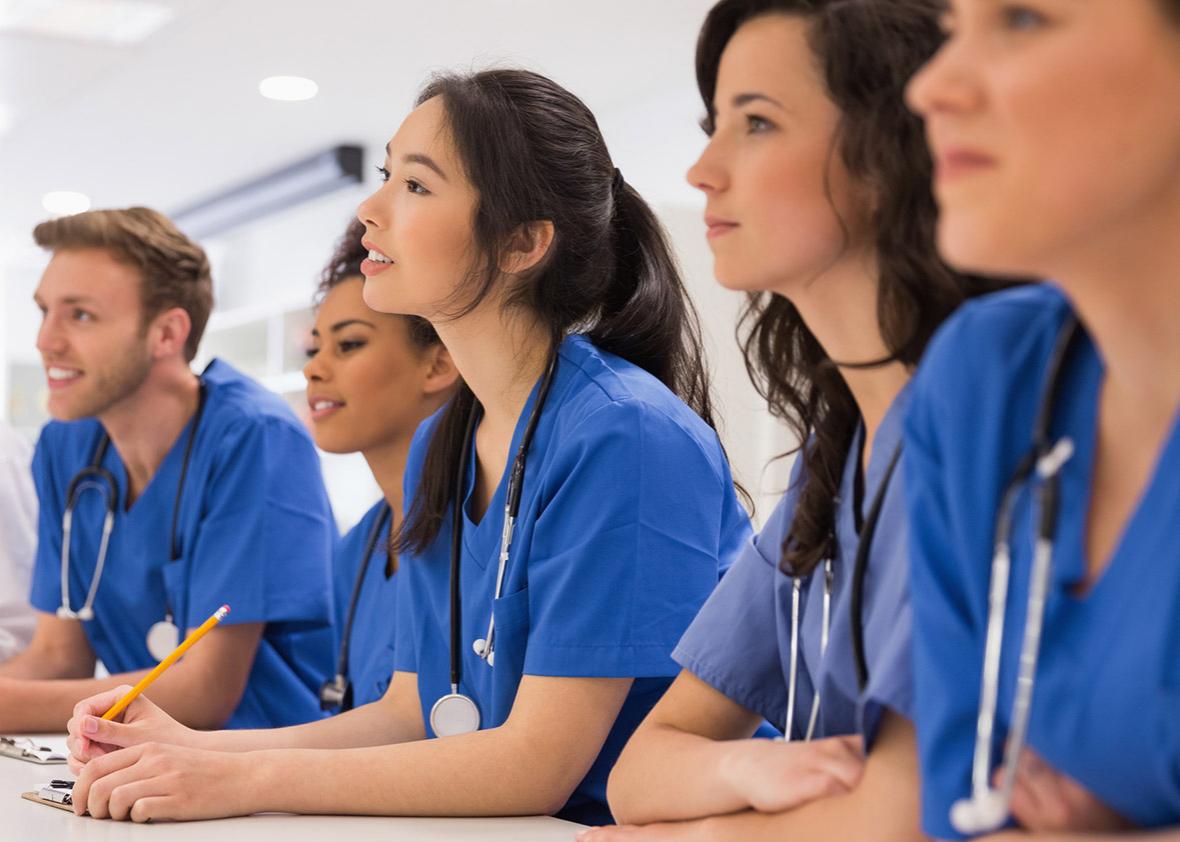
{"x": 53, "y": 794}
{"x": 31, "y": 751}
{"x": 37, "y": 799}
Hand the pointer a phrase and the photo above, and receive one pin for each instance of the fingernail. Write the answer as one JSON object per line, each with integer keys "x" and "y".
{"x": 90, "y": 725}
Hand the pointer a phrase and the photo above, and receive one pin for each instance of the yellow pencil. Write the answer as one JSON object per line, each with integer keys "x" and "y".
{"x": 145, "y": 682}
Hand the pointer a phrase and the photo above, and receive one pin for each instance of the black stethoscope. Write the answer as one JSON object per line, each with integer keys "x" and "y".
{"x": 987, "y": 808}
{"x": 163, "y": 636}
{"x": 860, "y": 569}
{"x": 337, "y": 692}
{"x": 456, "y": 713}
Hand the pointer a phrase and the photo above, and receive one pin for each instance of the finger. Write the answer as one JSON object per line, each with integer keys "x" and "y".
{"x": 98, "y": 798}
{"x": 108, "y": 732}
{"x": 153, "y": 807}
{"x": 96, "y": 770}
{"x": 125, "y": 796}
{"x": 100, "y": 703}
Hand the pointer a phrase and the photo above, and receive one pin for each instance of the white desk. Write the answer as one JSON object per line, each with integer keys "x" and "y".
{"x": 24, "y": 821}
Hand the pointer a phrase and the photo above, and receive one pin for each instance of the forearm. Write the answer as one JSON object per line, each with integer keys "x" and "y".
{"x": 666, "y": 774}
{"x": 41, "y": 663}
{"x": 486, "y": 773}
{"x": 371, "y": 725}
{"x": 46, "y": 705}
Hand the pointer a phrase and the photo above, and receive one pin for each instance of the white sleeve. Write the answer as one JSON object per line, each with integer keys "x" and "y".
{"x": 18, "y": 543}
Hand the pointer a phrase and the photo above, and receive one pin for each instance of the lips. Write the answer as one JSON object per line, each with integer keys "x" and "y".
{"x": 717, "y": 226}
{"x": 323, "y": 407}
{"x": 376, "y": 262}
{"x": 60, "y": 377}
{"x": 955, "y": 162}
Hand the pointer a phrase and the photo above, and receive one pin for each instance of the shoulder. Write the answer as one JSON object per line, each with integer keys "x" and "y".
{"x": 67, "y": 443}
{"x": 605, "y": 397}
{"x": 237, "y": 406}
{"x": 989, "y": 344}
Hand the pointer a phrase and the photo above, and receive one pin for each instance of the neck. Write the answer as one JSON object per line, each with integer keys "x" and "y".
{"x": 500, "y": 356}
{"x": 145, "y": 425}
{"x": 388, "y": 464}
{"x": 840, "y": 310}
{"x": 1125, "y": 291}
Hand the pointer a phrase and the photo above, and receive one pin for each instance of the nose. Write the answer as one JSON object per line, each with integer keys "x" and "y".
{"x": 315, "y": 369}
{"x": 370, "y": 211}
{"x": 50, "y": 339}
{"x": 709, "y": 174}
{"x": 946, "y": 83}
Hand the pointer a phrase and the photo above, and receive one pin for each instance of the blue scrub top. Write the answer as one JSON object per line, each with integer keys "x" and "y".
{"x": 1107, "y": 690}
{"x": 255, "y": 531}
{"x": 370, "y": 653}
{"x": 628, "y": 513}
{"x": 740, "y": 643}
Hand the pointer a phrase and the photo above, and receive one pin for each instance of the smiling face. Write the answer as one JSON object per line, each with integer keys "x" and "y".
{"x": 1055, "y": 125}
{"x": 775, "y": 186}
{"x": 420, "y": 220}
{"x": 92, "y": 340}
{"x": 367, "y": 382}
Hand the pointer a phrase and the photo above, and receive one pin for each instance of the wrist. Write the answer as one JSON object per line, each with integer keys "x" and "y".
{"x": 259, "y": 782}
{"x": 731, "y": 768}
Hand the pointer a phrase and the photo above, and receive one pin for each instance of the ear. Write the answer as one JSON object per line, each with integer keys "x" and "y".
{"x": 441, "y": 374}
{"x": 527, "y": 247}
{"x": 170, "y": 331}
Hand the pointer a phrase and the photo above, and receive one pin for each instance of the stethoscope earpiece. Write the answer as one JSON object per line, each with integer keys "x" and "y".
{"x": 984, "y": 812}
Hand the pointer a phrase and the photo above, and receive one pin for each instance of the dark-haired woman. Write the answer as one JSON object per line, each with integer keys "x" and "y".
{"x": 1043, "y": 441}
{"x": 593, "y": 498}
{"x": 372, "y": 378}
{"x": 817, "y": 184}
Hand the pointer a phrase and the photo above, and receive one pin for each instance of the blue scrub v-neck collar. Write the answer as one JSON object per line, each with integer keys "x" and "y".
{"x": 169, "y": 467}
{"x": 482, "y": 541}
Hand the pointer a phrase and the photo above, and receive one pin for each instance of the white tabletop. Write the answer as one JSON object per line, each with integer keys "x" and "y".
{"x": 25, "y": 820}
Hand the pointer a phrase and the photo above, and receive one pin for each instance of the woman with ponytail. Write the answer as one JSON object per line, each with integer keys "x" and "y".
{"x": 578, "y": 461}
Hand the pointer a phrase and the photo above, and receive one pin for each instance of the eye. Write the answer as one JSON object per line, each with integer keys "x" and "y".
{"x": 310, "y": 352}
{"x": 1021, "y": 18}
{"x": 351, "y": 345}
{"x": 82, "y": 316}
{"x": 384, "y": 174}
{"x": 416, "y": 187}
{"x": 756, "y": 124}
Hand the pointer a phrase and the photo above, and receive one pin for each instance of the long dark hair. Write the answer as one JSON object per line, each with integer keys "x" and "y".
{"x": 867, "y": 50}
{"x": 533, "y": 151}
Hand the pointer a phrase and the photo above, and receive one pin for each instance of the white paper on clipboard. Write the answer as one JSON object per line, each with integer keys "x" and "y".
{"x": 35, "y": 750}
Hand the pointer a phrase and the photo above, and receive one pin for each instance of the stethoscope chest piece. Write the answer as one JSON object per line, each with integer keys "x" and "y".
{"x": 454, "y": 714}
{"x": 162, "y": 638}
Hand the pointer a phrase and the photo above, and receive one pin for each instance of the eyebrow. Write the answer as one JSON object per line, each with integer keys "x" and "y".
{"x": 419, "y": 158}
{"x": 343, "y": 324}
{"x": 745, "y": 99}
{"x": 69, "y": 301}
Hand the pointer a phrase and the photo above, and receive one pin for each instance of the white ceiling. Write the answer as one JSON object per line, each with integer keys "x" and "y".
{"x": 171, "y": 119}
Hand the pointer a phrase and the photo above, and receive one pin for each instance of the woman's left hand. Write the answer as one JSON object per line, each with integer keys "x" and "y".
{"x": 1044, "y": 800}
{"x": 154, "y": 781}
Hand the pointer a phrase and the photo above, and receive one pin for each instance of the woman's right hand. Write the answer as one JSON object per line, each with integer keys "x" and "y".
{"x": 91, "y": 736}
{"x": 772, "y": 776}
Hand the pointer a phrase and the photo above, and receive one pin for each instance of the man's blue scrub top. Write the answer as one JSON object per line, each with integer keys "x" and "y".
{"x": 1106, "y": 702}
{"x": 740, "y": 643}
{"x": 255, "y": 531}
{"x": 627, "y": 516}
{"x": 370, "y": 652}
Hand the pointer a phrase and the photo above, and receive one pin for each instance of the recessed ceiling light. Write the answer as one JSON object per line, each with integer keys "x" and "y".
{"x": 288, "y": 88}
{"x": 65, "y": 202}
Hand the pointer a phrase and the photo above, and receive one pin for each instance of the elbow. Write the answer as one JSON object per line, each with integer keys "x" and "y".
{"x": 620, "y": 795}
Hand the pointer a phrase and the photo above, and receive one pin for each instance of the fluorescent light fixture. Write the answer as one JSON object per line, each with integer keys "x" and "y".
{"x": 310, "y": 178}
{"x": 65, "y": 202}
{"x": 288, "y": 88}
{"x": 118, "y": 22}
